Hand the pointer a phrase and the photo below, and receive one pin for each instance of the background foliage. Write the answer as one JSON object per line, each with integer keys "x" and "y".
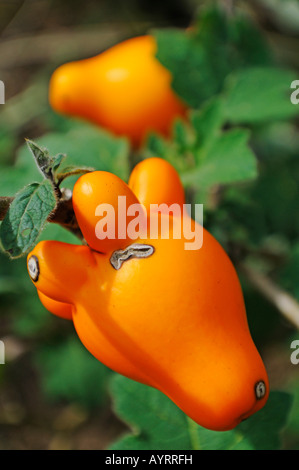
{"x": 238, "y": 155}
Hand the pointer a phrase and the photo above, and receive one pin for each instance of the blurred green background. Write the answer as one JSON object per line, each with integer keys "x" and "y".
{"x": 53, "y": 393}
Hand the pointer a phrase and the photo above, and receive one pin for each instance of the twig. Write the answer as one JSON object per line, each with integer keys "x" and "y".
{"x": 4, "y": 205}
{"x": 228, "y": 6}
{"x": 63, "y": 45}
{"x": 282, "y": 300}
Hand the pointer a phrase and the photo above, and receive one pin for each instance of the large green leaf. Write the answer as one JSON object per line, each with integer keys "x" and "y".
{"x": 26, "y": 217}
{"x": 194, "y": 78}
{"x": 155, "y": 421}
{"x": 200, "y": 60}
{"x": 228, "y": 159}
{"x": 260, "y": 94}
{"x": 158, "y": 424}
{"x": 69, "y": 372}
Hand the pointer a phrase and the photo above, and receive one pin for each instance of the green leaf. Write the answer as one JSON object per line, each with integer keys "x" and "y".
{"x": 259, "y": 94}
{"x": 26, "y": 217}
{"x": 292, "y": 428}
{"x": 57, "y": 160}
{"x": 84, "y": 145}
{"x": 182, "y": 135}
{"x": 89, "y": 147}
{"x": 259, "y": 432}
{"x": 228, "y": 159}
{"x": 262, "y": 431}
{"x": 201, "y": 59}
{"x": 204, "y": 154}
{"x": 42, "y": 158}
{"x": 69, "y": 372}
{"x": 207, "y": 123}
{"x": 158, "y": 424}
{"x": 194, "y": 76}
{"x": 204, "y": 127}
{"x": 249, "y": 44}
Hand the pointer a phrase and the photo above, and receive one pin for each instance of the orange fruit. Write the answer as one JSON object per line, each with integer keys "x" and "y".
{"x": 125, "y": 90}
{"x": 150, "y": 309}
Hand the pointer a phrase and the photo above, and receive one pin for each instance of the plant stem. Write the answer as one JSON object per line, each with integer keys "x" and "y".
{"x": 4, "y": 205}
{"x": 194, "y": 438}
{"x": 282, "y": 300}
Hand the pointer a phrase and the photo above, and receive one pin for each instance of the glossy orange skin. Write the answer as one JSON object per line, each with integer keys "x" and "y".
{"x": 100, "y": 187}
{"x": 60, "y": 309}
{"x": 125, "y": 89}
{"x": 175, "y": 321}
{"x": 168, "y": 189}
